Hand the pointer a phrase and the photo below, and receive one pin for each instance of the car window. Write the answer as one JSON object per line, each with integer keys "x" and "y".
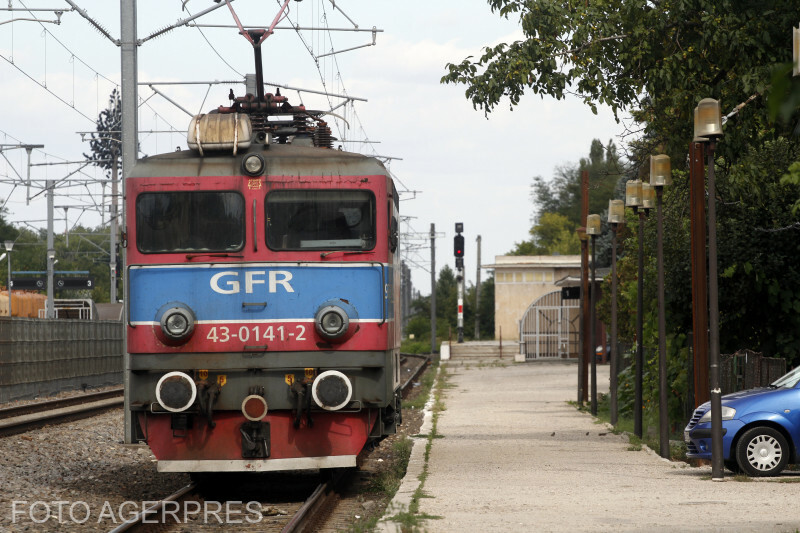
{"x": 789, "y": 380}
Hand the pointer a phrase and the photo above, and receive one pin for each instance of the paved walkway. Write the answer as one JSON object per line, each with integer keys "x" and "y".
{"x": 514, "y": 456}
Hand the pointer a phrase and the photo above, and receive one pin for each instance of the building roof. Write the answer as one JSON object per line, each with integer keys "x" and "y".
{"x": 534, "y": 261}
{"x": 575, "y": 281}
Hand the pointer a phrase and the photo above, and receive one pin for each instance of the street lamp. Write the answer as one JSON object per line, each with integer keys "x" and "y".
{"x": 707, "y": 129}
{"x": 593, "y": 229}
{"x": 634, "y": 197}
{"x": 660, "y": 176}
{"x": 582, "y": 362}
{"x": 616, "y": 216}
{"x": 9, "y": 245}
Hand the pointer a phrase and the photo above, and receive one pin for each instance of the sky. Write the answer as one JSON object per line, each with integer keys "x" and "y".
{"x": 452, "y": 163}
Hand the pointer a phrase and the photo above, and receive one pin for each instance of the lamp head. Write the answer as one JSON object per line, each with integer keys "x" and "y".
{"x": 708, "y": 119}
{"x": 660, "y": 170}
{"x": 648, "y": 196}
{"x": 616, "y": 212}
{"x": 593, "y": 225}
{"x": 633, "y": 193}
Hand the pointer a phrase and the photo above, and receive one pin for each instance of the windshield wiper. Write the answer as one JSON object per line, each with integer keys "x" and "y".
{"x": 326, "y": 254}
{"x": 189, "y": 257}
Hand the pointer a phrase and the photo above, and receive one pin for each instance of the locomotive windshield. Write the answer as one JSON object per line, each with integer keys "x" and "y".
{"x": 207, "y": 221}
{"x": 320, "y": 220}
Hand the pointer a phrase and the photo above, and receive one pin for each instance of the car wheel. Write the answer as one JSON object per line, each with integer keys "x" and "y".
{"x": 733, "y": 466}
{"x": 762, "y": 451}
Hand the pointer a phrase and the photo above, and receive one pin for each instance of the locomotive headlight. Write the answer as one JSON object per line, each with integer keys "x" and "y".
{"x": 331, "y": 322}
{"x": 177, "y": 322}
{"x": 176, "y": 392}
{"x": 254, "y": 407}
{"x": 332, "y": 390}
{"x": 253, "y": 165}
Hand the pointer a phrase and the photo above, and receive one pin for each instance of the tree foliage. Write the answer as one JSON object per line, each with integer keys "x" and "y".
{"x": 83, "y": 249}
{"x": 419, "y": 323}
{"x": 105, "y": 144}
{"x": 557, "y": 202}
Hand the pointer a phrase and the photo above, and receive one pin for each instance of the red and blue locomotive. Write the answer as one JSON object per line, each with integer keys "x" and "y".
{"x": 261, "y": 280}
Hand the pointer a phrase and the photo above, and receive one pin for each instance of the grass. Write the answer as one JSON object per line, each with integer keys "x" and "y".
{"x": 650, "y": 436}
{"x": 386, "y": 483}
{"x": 410, "y": 520}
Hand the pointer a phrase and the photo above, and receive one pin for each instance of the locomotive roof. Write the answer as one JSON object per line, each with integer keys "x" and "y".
{"x": 281, "y": 159}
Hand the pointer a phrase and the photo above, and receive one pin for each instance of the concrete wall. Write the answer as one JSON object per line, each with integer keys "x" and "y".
{"x": 43, "y": 357}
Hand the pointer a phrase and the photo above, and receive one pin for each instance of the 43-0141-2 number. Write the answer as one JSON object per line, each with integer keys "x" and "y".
{"x": 257, "y": 333}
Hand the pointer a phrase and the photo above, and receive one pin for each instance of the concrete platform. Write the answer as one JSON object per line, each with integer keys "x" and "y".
{"x": 513, "y": 455}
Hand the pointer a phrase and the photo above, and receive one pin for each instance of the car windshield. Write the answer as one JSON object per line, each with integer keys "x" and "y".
{"x": 196, "y": 221}
{"x": 789, "y": 380}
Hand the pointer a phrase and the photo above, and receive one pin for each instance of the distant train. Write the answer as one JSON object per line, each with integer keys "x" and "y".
{"x": 261, "y": 286}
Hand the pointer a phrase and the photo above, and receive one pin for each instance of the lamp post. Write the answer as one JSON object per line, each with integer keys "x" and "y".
{"x": 582, "y": 366}
{"x": 9, "y": 245}
{"x": 660, "y": 176}
{"x": 616, "y": 216}
{"x": 593, "y": 229}
{"x": 634, "y": 197}
{"x": 707, "y": 129}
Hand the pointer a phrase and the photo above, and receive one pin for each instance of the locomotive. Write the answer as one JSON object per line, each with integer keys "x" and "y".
{"x": 261, "y": 282}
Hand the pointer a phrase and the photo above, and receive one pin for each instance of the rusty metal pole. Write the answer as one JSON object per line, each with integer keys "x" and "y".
{"x": 613, "y": 381}
{"x": 697, "y": 200}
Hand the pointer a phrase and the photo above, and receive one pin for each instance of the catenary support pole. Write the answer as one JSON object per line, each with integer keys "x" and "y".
{"x": 433, "y": 288}
{"x": 130, "y": 143}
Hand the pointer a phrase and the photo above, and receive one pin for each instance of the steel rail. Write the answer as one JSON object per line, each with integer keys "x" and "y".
{"x": 50, "y": 405}
{"x": 421, "y": 368}
{"x": 23, "y": 423}
{"x": 138, "y": 519}
{"x": 325, "y": 494}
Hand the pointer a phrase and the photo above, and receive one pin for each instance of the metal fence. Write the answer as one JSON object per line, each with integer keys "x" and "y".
{"x": 43, "y": 357}
{"x": 747, "y": 369}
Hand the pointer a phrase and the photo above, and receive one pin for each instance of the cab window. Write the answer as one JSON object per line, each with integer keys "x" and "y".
{"x": 320, "y": 220}
{"x": 196, "y": 221}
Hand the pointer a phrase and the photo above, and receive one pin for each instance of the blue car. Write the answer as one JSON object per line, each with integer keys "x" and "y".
{"x": 760, "y": 428}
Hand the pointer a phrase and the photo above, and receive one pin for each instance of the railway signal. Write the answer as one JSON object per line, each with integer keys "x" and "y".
{"x": 458, "y": 251}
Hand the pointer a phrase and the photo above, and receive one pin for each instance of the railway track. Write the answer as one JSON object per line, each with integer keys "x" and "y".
{"x": 21, "y": 418}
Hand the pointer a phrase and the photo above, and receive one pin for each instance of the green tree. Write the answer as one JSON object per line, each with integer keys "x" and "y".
{"x": 557, "y": 203}
{"x": 105, "y": 144}
{"x": 419, "y": 323}
{"x": 553, "y": 234}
